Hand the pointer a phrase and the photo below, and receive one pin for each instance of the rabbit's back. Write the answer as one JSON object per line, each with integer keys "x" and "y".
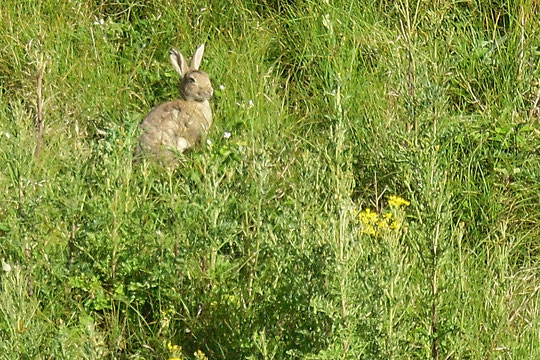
{"x": 174, "y": 126}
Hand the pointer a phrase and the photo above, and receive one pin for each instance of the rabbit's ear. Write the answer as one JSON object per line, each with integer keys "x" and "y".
{"x": 178, "y": 62}
{"x": 197, "y": 57}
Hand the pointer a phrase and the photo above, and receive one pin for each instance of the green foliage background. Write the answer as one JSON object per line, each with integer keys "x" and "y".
{"x": 252, "y": 248}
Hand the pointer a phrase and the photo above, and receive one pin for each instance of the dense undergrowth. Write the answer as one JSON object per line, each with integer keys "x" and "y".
{"x": 377, "y": 197}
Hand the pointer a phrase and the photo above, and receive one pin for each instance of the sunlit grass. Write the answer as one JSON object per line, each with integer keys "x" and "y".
{"x": 370, "y": 188}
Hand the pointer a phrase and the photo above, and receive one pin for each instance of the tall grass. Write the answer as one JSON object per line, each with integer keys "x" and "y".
{"x": 255, "y": 247}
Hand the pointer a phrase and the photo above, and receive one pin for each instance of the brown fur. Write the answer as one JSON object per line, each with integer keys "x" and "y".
{"x": 180, "y": 124}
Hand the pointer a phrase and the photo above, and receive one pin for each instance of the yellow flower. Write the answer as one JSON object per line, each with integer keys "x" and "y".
{"x": 368, "y": 216}
{"x": 396, "y": 202}
{"x": 382, "y": 225}
{"x": 370, "y": 230}
{"x": 395, "y": 225}
{"x": 175, "y": 358}
{"x": 199, "y": 355}
{"x": 175, "y": 349}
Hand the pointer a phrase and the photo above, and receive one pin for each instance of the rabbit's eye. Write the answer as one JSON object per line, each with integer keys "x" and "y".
{"x": 190, "y": 80}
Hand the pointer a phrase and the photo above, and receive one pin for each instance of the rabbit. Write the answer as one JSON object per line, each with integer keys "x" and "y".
{"x": 178, "y": 125}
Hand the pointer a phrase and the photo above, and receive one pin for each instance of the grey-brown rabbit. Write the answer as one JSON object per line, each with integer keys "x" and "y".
{"x": 180, "y": 124}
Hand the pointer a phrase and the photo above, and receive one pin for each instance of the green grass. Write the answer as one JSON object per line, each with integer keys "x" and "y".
{"x": 253, "y": 247}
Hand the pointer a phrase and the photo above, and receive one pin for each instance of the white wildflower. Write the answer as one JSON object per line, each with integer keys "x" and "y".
{"x": 5, "y": 266}
{"x": 209, "y": 142}
{"x": 226, "y": 134}
{"x": 221, "y": 87}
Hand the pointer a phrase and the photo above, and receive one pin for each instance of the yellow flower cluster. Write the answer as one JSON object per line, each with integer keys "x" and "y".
{"x": 174, "y": 348}
{"x": 374, "y": 224}
{"x": 199, "y": 355}
{"x": 176, "y": 351}
{"x": 369, "y": 219}
{"x": 396, "y": 202}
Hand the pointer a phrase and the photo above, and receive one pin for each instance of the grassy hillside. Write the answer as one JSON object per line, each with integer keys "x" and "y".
{"x": 378, "y": 197}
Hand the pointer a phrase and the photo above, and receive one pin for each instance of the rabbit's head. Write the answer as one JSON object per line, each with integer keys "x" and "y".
{"x": 195, "y": 84}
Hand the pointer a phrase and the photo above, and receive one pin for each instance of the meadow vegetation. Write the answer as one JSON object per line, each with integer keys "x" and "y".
{"x": 377, "y": 198}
